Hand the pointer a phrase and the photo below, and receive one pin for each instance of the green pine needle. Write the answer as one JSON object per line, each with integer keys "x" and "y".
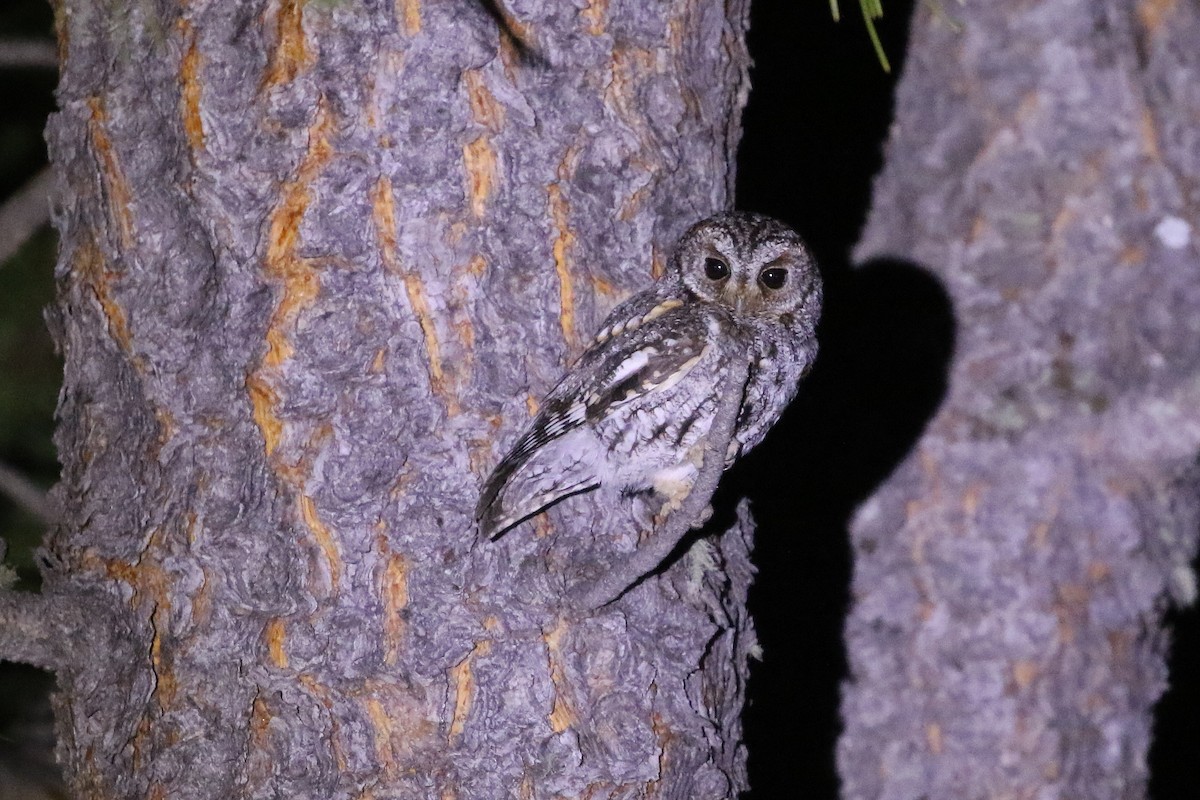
{"x": 871, "y": 11}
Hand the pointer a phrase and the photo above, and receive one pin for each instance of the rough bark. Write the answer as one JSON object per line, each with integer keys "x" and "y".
{"x": 318, "y": 262}
{"x": 1006, "y": 637}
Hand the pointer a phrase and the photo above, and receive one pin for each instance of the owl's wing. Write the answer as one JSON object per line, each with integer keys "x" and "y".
{"x": 548, "y": 463}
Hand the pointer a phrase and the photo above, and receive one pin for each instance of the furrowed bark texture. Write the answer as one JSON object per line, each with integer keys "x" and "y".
{"x": 1006, "y": 633}
{"x": 319, "y": 260}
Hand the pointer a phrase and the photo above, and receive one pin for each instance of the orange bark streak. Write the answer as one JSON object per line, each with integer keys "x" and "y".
{"x": 384, "y": 213}
{"x": 290, "y": 56}
{"x": 562, "y": 715}
{"x": 324, "y": 539}
{"x": 395, "y": 600}
{"x": 409, "y": 11}
{"x": 120, "y": 196}
{"x": 563, "y": 242}
{"x": 463, "y": 681}
{"x": 275, "y": 635}
{"x": 479, "y": 160}
{"x": 189, "y": 79}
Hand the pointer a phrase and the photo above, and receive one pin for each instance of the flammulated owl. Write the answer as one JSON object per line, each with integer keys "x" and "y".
{"x": 633, "y": 413}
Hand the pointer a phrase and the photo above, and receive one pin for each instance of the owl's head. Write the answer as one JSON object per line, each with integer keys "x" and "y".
{"x": 755, "y": 266}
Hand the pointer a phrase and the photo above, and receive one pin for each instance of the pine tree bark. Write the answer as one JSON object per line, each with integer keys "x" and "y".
{"x": 1006, "y": 637}
{"x": 318, "y": 262}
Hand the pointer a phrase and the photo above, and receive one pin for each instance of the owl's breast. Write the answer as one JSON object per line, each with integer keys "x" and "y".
{"x": 778, "y": 360}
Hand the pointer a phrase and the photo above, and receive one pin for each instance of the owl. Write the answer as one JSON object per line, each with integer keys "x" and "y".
{"x": 633, "y": 413}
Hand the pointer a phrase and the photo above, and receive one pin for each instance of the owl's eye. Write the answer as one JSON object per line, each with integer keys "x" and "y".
{"x": 773, "y": 278}
{"x": 715, "y": 269}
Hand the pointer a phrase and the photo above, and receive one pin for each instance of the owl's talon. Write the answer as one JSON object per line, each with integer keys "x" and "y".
{"x": 732, "y": 452}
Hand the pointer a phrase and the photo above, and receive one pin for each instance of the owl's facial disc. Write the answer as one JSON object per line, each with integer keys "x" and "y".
{"x": 708, "y": 271}
{"x": 754, "y": 266}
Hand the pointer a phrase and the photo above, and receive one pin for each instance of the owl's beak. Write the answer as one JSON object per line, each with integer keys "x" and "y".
{"x": 735, "y": 296}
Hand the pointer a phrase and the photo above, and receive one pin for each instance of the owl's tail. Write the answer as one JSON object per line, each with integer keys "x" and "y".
{"x": 519, "y": 488}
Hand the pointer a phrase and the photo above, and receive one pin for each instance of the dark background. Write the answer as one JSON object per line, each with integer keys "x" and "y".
{"x": 814, "y": 132}
{"x": 30, "y": 375}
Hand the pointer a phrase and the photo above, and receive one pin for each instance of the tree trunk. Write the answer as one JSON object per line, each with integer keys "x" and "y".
{"x": 1006, "y": 637}
{"x": 318, "y": 262}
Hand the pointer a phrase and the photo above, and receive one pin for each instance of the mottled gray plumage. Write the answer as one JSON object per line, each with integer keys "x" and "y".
{"x": 632, "y": 414}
